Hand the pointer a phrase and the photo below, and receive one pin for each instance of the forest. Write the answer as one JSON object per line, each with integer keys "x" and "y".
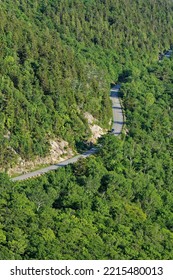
{"x": 118, "y": 203}
{"x": 54, "y": 58}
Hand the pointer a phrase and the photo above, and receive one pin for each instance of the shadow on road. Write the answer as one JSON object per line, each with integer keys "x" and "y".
{"x": 119, "y": 122}
{"x": 117, "y": 108}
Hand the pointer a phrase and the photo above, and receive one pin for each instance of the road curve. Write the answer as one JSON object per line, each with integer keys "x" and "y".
{"x": 116, "y": 130}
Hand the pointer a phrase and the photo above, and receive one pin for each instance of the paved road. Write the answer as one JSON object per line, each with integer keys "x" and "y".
{"x": 117, "y": 111}
{"x": 116, "y": 130}
{"x": 54, "y": 166}
{"x": 168, "y": 54}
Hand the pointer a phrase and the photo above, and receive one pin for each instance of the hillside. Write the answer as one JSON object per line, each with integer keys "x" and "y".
{"x": 58, "y": 59}
{"x": 113, "y": 205}
{"x": 56, "y": 65}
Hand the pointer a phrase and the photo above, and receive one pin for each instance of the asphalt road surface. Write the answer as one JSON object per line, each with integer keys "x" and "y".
{"x": 118, "y": 119}
{"x": 168, "y": 54}
{"x": 54, "y": 166}
{"x": 116, "y": 130}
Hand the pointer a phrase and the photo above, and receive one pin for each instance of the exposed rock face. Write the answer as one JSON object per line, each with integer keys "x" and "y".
{"x": 96, "y": 130}
{"x": 59, "y": 151}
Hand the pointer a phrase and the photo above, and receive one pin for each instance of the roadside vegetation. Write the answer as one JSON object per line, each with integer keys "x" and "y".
{"x": 57, "y": 63}
{"x": 116, "y": 204}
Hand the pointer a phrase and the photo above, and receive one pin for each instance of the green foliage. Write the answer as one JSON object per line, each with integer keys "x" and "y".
{"x": 54, "y": 58}
{"x": 55, "y": 65}
{"x": 116, "y": 204}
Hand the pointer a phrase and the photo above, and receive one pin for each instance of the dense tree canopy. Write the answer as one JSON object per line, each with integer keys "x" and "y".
{"x": 54, "y": 57}
{"x": 56, "y": 64}
{"x": 116, "y": 204}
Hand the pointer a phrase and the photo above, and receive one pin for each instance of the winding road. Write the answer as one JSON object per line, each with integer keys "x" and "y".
{"x": 116, "y": 130}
